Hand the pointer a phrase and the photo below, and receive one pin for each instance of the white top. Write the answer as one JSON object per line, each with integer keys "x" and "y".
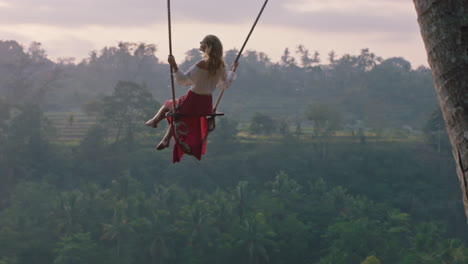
{"x": 203, "y": 82}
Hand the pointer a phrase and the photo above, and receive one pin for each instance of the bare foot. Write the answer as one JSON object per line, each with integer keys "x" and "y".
{"x": 162, "y": 145}
{"x": 152, "y": 123}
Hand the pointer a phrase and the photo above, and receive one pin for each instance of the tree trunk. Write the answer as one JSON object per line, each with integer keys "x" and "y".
{"x": 444, "y": 28}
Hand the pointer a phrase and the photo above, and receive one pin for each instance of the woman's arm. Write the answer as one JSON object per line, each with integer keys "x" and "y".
{"x": 183, "y": 79}
{"x": 228, "y": 77}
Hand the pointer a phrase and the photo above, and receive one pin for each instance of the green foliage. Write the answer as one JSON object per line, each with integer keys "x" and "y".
{"x": 27, "y": 74}
{"x": 435, "y": 133}
{"x": 384, "y": 93}
{"x": 255, "y": 239}
{"x": 371, "y": 260}
{"x": 27, "y": 223}
{"x": 326, "y": 120}
{"x": 286, "y": 200}
{"x": 226, "y": 131}
{"x": 77, "y": 249}
{"x": 126, "y": 107}
{"x": 135, "y": 211}
{"x": 5, "y": 113}
{"x": 262, "y": 124}
{"x": 26, "y": 142}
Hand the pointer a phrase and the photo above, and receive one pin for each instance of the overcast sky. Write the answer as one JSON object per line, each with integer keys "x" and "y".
{"x": 72, "y": 28}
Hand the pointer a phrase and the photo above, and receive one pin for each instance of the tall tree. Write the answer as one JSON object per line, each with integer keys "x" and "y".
{"x": 444, "y": 29}
{"x": 129, "y": 104}
{"x": 326, "y": 121}
{"x": 255, "y": 239}
{"x": 26, "y": 75}
{"x": 287, "y": 59}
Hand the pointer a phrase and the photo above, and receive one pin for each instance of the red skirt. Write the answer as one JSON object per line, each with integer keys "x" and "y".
{"x": 193, "y": 127}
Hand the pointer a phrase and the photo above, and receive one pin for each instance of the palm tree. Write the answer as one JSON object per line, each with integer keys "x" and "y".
{"x": 255, "y": 239}
{"x": 119, "y": 230}
{"x": 163, "y": 211}
{"x": 445, "y": 33}
{"x": 162, "y": 236}
{"x": 221, "y": 210}
{"x": 241, "y": 193}
{"x": 196, "y": 225}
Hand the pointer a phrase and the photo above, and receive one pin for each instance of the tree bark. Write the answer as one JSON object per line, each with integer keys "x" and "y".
{"x": 444, "y": 29}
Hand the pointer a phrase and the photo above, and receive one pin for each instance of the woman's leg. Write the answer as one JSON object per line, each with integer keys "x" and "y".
{"x": 160, "y": 115}
{"x": 166, "y": 139}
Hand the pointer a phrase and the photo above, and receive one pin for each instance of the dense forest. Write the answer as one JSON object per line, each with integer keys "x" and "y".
{"x": 332, "y": 160}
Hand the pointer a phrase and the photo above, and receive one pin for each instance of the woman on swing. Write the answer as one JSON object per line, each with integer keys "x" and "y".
{"x": 203, "y": 77}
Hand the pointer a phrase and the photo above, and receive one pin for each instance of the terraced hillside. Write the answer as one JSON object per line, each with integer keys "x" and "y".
{"x": 71, "y": 127}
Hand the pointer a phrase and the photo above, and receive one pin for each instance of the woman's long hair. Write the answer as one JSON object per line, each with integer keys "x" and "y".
{"x": 213, "y": 54}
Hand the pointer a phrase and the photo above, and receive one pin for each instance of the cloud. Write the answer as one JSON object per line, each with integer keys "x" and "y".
{"x": 339, "y": 16}
{"x": 94, "y": 24}
{"x": 11, "y": 35}
{"x": 74, "y": 13}
{"x": 351, "y": 16}
{"x": 123, "y": 13}
{"x": 339, "y": 22}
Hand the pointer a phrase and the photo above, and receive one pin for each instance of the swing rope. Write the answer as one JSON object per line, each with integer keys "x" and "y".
{"x": 170, "y": 53}
{"x": 175, "y": 125}
{"x": 240, "y": 53}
